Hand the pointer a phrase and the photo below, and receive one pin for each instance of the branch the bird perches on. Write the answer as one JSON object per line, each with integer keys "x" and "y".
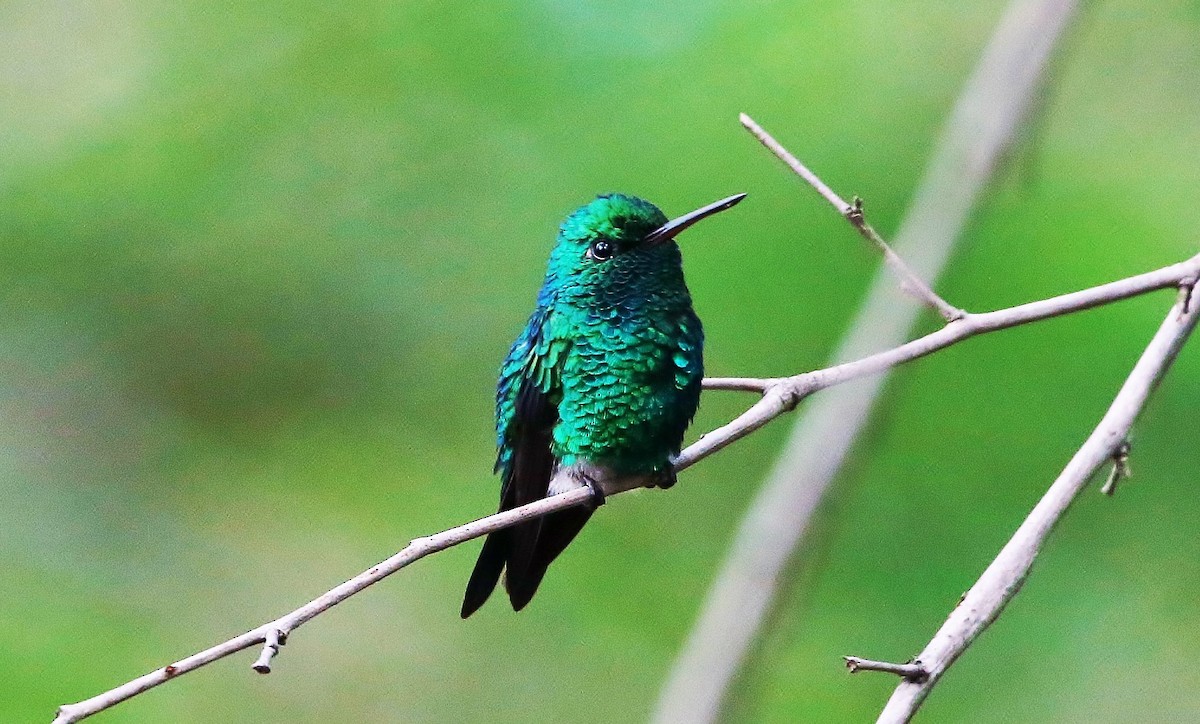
{"x": 778, "y": 396}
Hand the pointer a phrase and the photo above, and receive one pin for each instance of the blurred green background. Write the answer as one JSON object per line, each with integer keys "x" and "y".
{"x": 258, "y": 266}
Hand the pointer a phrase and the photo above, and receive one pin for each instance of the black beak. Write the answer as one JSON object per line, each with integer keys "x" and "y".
{"x": 674, "y": 226}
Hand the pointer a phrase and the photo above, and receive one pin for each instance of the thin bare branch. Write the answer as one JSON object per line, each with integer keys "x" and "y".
{"x": 795, "y": 165}
{"x": 738, "y": 384}
{"x": 1120, "y": 460}
{"x": 912, "y": 671}
{"x": 910, "y": 281}
{"x": 1003, "y": 578}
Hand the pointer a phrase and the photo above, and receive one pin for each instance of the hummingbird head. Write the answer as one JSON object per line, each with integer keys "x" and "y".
{"x": 613, "y": 220}
{"x": 616, "y": 236}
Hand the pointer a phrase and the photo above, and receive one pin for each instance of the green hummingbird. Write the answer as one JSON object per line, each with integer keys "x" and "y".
{"x": 600, "y": 385}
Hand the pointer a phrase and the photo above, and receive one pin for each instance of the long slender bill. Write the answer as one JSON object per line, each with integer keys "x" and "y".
{"x": 676, "y": 225}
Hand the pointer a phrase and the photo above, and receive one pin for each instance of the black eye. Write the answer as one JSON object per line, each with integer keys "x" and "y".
{"x": 600, "y": 250}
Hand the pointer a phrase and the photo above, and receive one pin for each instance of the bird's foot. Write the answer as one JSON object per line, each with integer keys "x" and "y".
{"x": 663, "y": 478}
{"x": 598, "y": 495}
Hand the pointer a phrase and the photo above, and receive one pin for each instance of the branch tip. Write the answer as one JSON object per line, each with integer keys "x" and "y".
{"x": 912, "y": 671}
{"x": 271, "y": 642}
{"x": 794, "y": 164}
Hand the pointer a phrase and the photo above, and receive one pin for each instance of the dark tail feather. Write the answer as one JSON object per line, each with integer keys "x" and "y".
{"x": 487, "y": 571}
{"x": 556, "y": 532}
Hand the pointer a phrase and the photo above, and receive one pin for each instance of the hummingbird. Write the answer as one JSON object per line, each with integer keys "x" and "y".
{"x": 600, "y": 385}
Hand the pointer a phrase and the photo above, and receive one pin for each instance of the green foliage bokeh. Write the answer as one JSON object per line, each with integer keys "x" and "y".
{"x": 258, "y": 265}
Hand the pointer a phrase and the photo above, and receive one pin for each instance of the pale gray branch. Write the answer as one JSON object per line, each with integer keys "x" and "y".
{"x": 943, "y": 204}
{"x": 1004, "y": 577}
{"x": 981, "y": 127}
{"x": 910, "y": 282}
{"x": 271, "y": 635}
{"x": 911, "y": 671}
{"x": 779, "y": 396}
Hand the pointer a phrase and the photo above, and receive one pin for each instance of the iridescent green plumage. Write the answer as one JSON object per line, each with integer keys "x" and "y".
{"x": 606, "y": 374}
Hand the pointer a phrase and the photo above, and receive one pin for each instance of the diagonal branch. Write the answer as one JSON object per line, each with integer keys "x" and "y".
{"x": 780, "y": 395}
{"x": 1003, "y": 578}
{"x": 984, "y": 122}
{"x": 272, "y": 634}
{"x": 909, "y": 280}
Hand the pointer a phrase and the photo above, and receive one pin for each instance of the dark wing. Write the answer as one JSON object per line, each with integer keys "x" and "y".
{"x": 534, "y": 545}
{"x": 526, "y": 478}
{"x": 526, "y": 412}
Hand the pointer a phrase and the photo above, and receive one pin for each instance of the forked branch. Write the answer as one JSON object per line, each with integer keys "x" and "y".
{"x": 981, "y": 605}
{"x": 779, "y": 395}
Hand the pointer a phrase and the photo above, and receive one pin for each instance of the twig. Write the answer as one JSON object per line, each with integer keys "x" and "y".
{"x": 1004, "y": 577}
{"x": 912, "y": 671}
{"x": 274, "y": 639}
{"x": 780, "y": 396}
{"x": 909, "y": 281}
{"x": 738, "y": 384}
{"x": 982, "y": 125}
{"x": 1120, "y": 459}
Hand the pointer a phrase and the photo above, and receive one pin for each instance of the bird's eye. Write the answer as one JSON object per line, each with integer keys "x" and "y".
{"x": 600, "y": 250}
